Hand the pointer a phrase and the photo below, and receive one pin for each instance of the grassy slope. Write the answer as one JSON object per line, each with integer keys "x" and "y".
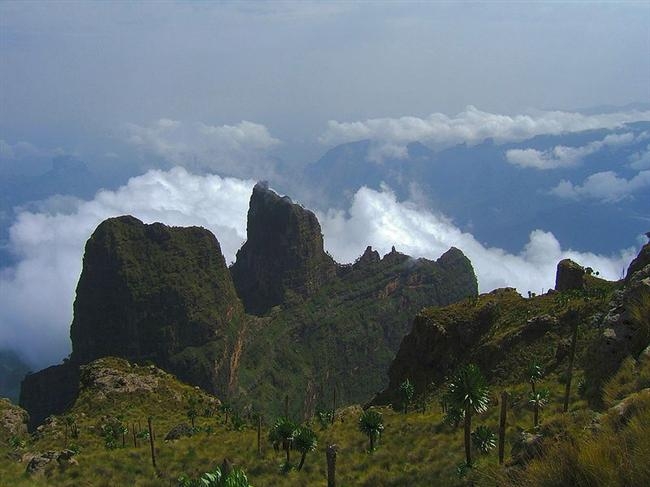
{"x": 583, "y": 447}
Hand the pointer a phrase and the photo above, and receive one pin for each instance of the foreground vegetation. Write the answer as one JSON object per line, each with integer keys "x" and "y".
{"x": 445, "y": 434}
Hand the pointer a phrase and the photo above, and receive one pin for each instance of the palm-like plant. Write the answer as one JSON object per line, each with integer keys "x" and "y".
{"x": 468, "y": 392}
{"x": 371, "y": 423}
{"x": 304, "y": 440}
{"x": 538, "y": 400}
{"x": 535, "y": 374}
{"x": 282, "y": 434}
{"x": 406, "y": 390}
{"x": 484, "y": 439}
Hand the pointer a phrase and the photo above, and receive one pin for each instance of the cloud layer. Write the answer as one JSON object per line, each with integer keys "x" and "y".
{"x": 36, "y": 294}
{"x": 391, "y": 135}
{"x": 563, "y": 156}
{"x": 236, "y": 150}
{"x": 605, "y": 186}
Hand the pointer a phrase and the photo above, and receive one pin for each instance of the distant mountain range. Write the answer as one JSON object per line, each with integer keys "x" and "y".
{"x": 501, "y": 202}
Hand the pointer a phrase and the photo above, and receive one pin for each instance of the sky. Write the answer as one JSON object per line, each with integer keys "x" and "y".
{"x": 201, "y": 99}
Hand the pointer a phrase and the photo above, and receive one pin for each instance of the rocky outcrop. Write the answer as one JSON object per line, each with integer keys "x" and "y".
{"x": 283, "y": 257}
{"x": 13, "y": 420}
{"x": 43, "y": 463}
{"x": 625, "y": 330}
{"x": 49, "y": 391}
{"x": 147, "y": 292}
{"x": 569, "y": 276}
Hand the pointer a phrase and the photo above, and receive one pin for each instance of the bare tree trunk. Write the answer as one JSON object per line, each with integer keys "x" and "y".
{"x": 302, "y": 461}
{"x": 135, "y": 441}
{"x": 259, "y": 435}
{"x": 536, "y": 415}
{"x": 572, "y": 354}
{"x": 331, "y": 465}
{"x": 502, "y": 425}
{"x": 468, "y": 436}
{"x": 286, "y": 406}
{"x": 153, "y": 450}
{"x": 334, "y": 406}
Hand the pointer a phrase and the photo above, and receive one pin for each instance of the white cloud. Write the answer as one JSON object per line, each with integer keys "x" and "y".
{"x": 376, "y": 218}
{"x": 471, "y": 126}
{"x": 237, "y": 150}
{"x": 36, "y": 294}
{"x": 641, "y": 160}
{"x": 563, "y": 156}
{"x": 605, "y": 186}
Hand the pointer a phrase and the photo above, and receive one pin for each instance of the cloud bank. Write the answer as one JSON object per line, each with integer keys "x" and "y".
{"x": 236, "y": 150}
{"x": 605, "y": 186}
{"x": 36, "y": 294}
{"x": 563, "y": 156}
{"x": 472, "y": 126}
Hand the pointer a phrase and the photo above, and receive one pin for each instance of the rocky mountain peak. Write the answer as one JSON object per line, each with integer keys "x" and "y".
{"x": 569, "y": 276}
{"x": 149, "y": 291}
{"x": 283, "y": 253}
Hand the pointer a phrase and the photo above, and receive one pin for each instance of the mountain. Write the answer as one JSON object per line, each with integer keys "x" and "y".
{"x": 500, "y": 203}
{"x": 601, "y": 439}
{"x": 163, "y": 295}
{"x": 283, "y": 253}
{"x": 502, "y": 332}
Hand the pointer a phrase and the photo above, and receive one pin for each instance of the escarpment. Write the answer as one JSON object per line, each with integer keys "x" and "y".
{"x": 283, "y": 253}
{"x": 163, "y": 295}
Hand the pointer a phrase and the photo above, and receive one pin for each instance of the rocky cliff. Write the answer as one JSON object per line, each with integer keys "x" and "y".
{"x": 148, "y": 293}
{"x": 345, "y": 336}
{"x": 283, "y": 256}
{"x": 153, "y": 293}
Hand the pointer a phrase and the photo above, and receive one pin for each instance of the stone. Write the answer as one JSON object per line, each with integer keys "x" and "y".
{"x": 569, "y": 276}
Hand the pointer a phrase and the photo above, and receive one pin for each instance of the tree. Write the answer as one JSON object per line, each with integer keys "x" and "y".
{"x": 467, "y": 391}
{"x": 304, "y": 441}
{"x": 281, "y": 435}
{"x": 484, "y": 439}
{"x": 538, "y": 400}
{"x": 535, "y": 374}
{"x": 193, "y": 404}
{"x": 406, "y": 391}
{"x": 371, "y": 423}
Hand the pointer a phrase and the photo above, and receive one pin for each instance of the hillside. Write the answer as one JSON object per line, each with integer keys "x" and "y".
{"x": 163, "y": 295}
{"x": 602, "y": 440}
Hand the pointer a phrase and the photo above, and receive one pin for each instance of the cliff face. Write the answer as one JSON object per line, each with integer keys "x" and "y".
{"x": 283, "y": 253}
{"x": 346, "y": 334}
{"x": 162, "y": 294}
{"x": 147, "y": 292}
{"x": 502, "y": 332}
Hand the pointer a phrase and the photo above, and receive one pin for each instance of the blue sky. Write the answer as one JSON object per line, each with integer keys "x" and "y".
{"x": 182, "y": 94}
{"x": 74, "y": 72}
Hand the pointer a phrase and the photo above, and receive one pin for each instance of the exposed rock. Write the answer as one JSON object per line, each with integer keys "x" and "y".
{"x": 538, "y": 325}
{"x": 621, "y": 413}
{"x": 106, "y": 379}
{"x": 526, "y": 447}
{"x": 639, "y": 264}
{"x": 13, "y": 420}
{"x": 569, "y": 276}
{"x": 283, "y": 253}
{"x": 147, "y": 292}
{"x": 624, "y": 327}
{"x": 368, "y": 257}
{"x": 179, "y": 431}
{"x": 41, "y": 463}
{"x": 49, "y": 391}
